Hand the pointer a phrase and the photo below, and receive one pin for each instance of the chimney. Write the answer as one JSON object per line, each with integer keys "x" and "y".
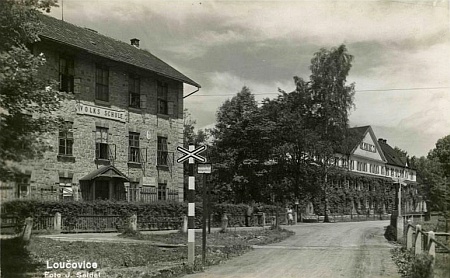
{"x": 135, "y": 42}
{"x": 382, "y": 140}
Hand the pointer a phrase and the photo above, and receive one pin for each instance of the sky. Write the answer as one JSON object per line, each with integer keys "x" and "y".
{"x": 401, "y": 49}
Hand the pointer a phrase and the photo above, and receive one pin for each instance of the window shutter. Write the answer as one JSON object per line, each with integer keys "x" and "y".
{"x": 143, "y": 101}
{"x": 170, "y": 108}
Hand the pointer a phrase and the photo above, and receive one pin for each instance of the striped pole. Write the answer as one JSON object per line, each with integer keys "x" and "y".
{"x": 191, "y": 210}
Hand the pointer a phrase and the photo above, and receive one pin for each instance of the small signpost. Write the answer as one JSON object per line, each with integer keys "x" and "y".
{"x": 204, "y": 169}
{"x": 191, "y": 155}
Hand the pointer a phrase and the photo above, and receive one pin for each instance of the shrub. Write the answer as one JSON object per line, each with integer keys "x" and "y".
{"x": 422, "y": 266}
{"x": 390, "y": 233}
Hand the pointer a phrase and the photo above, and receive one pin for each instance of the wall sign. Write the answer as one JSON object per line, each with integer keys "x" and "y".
{"x": 101, "y": 112}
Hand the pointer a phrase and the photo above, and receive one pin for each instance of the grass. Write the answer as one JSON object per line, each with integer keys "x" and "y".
{"x": 249, "y": 237}
{"x": 129, "y": 259}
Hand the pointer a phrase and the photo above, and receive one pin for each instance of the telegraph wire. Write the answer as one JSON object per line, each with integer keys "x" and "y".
{"x": 356, "y": 91}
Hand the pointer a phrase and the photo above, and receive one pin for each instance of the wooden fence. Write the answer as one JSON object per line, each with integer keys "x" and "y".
{"x": 334, "y": 217}
{"x": 426, "y": 242}
{"x": 152, "y": 194}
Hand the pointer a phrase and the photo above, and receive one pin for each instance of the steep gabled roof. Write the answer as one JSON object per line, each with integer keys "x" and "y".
{"x": 68, "y": 34}
{"x": 352, "y": 139}
{"x": 355, "y": 136}
{"x": 393, "y": 157}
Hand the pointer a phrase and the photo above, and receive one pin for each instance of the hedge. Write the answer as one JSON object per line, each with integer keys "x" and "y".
{"x": 146, "y": 211}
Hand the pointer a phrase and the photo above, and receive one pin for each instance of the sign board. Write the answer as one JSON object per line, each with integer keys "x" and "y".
{"x": 148, "y": 181}
{"x": 101, "y": 112}
{"x": 204, "y": 168}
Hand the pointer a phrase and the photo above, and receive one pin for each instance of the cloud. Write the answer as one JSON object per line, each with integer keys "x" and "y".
{"x": 223, "y": 86}
{"x": 263, "y": 44}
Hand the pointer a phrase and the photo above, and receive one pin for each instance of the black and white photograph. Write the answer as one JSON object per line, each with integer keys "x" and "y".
{"x": 224, "y": 139}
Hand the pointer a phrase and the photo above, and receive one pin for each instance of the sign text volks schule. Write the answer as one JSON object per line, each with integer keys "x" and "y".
{"x": 101, "y": 112}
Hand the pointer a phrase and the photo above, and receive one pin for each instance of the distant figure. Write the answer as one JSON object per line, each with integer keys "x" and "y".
{"x": 290, "y": 216}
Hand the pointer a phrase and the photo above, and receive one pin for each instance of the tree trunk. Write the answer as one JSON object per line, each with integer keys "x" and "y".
{"x": 326, "y": 219}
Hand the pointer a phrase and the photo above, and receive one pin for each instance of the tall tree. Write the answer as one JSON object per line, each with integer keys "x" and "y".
{"x": 442, "y": 154}
{"x": 235, "y": 146}
{"x": 27, "y": 101}
{"x": 438, "y": 174}
{"x": 330, "y": 102}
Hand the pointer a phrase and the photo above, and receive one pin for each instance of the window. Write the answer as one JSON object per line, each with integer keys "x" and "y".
{"x": 134, "y": 91}
{"x": 23, "y": 185}
{"x": 65, "y": 188}
{"x": 66, "y": 73}
{"x": 358, "y": 166}
{"x": 365, "y": 167}
{"x": 162, "y": 151}
{"x": 101, "y": 143}
{"x": 65, "y": 137}
{"x": 162, "y": 89}
{"x": 162, "y": 189}
{"x": 133, "y": 141}
{"x": 352, "y": 165}
{"x": 134, "y": 187}
{"x": 382, "y": 170}
{"x": 102, "y": 83}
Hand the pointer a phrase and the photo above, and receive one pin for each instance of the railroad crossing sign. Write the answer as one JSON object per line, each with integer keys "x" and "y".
{"x": 191, "y": 154}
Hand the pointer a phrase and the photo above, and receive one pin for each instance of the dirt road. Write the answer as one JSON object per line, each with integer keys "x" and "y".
{"x": 347, "y": 250}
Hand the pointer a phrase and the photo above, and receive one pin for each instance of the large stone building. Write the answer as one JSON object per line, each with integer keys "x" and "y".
{"x": 122, "y": 126}
{"x": 375, "y": 174}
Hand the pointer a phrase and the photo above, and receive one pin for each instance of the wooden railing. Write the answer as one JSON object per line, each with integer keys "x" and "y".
{"x": 425, "y": 242}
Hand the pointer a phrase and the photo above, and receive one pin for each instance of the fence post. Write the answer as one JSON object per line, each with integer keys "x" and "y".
{"x": 224, "y": 222}
{"x": 184, "y": 228}
{"x": 27, "y": 229}
{"x": 132, "y": 224}
{"x": 409, "y": 237}
{"x": 57, "y": 223}
{"x": 431, "y": 245}
{"x": 274, "y": 221}
{"x": 418, "y": 241}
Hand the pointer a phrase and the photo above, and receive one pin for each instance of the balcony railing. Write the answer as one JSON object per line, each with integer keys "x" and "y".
{"x": 165, "y": 158}
{"x": 137, "y": 155}
{"x": 105, "y": 151}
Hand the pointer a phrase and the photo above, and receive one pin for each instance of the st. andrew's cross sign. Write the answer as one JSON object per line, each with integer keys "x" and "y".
{"x": 191, "y": 153}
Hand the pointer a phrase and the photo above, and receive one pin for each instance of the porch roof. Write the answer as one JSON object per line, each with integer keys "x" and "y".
{"x": 105, "y": 172}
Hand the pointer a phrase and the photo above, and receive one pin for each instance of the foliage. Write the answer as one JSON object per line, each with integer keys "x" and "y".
{"x": 410, "y": 265}
{"x": 402, "y": 258}
{"x": 279, "y": 152}
{"x": 234, "y": 148}
{"x": 146, "y": 212}
{"x": 390, "y": 233}
{"x": 27, "y": 102}
{"x": 15, "y": 258}
{"x": 433, "y": 173}
{"x": 442, "y": 154}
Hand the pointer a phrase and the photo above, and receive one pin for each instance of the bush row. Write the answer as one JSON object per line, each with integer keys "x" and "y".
{"x": 146, "y": 211}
